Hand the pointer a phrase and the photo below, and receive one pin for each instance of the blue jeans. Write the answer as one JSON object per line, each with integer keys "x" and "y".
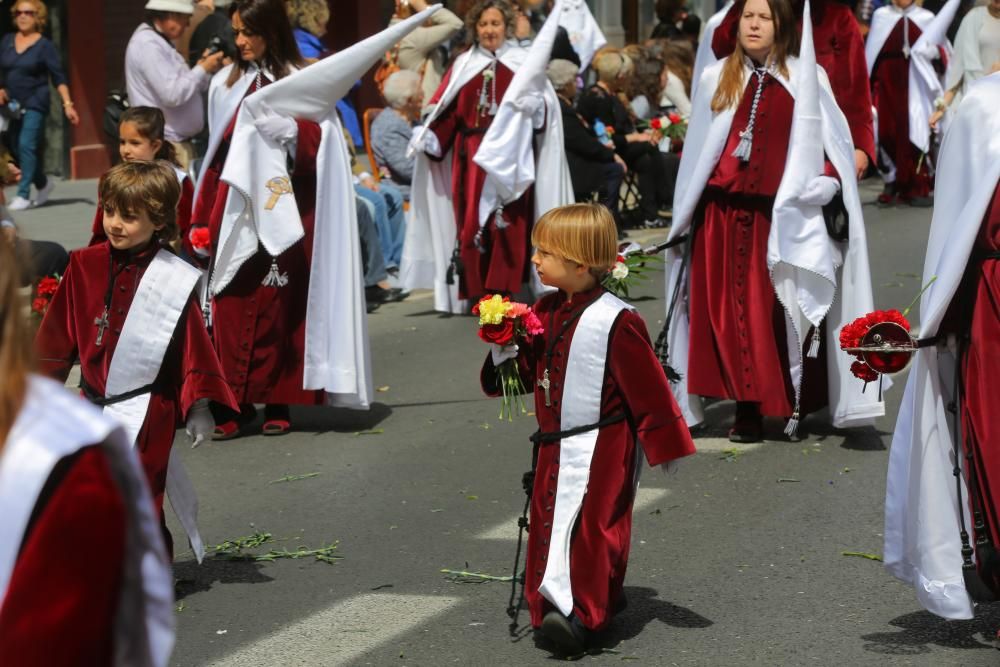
{"x": 389, "y": 219}
{"x": 30, "y": 131}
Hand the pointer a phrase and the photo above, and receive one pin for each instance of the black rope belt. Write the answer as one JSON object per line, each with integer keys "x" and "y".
{"x": 97, "y": 399}
{"x": 984, "y": 255}
{"x": 539, "y": 437}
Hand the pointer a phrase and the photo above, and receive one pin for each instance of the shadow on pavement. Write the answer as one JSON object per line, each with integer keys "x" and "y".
{"x": 67, "y": 201}
{"x": 320, "y": 419}
{"x": 920, "y": 630}
{"x": 193, "y": 578}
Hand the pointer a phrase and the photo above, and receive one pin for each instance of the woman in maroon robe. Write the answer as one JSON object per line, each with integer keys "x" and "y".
{"x": 259, "y": 329}
{"x": 496, "y": 257}
{"x": 840, "y": 51}
{"x": 737, "y": 326}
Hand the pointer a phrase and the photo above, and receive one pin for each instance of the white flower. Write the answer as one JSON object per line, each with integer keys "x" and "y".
{"x": 620, "y": 271}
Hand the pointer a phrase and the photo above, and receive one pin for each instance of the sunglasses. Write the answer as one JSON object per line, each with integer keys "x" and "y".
{"x": 24, "y": 12}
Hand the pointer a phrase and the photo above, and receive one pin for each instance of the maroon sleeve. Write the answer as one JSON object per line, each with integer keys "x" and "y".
{"x": 445, "y": 127}
{"x": 660, "y": 427}
{"x": 201, "y": 371}
{"x": 849, "y": 78}
{"x": 307, "y": 147}
{"x": 64, "y": 590}
{"x": 56, "y": 346}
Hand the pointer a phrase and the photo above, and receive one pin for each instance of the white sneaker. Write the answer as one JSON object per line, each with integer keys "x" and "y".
{"x": 43, "y": 194}
{"x": 18, "y": 203}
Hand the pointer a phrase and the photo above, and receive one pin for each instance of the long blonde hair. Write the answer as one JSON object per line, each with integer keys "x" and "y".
{"x": 15, "y": 342}
{"x": 786, "y": 44}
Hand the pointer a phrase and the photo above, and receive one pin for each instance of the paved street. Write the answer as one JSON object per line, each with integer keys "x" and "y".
{"x": 737, "y": 559}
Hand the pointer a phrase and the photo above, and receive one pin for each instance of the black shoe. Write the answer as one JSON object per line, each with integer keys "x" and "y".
{"x": 567, "y": 634}
{"x": 371, "y": 306}
{"x": 396, "y": 294}
{"x": 621, "y": 604}
{"x": 920, "y": 202}
{"x": 376, "y": 294}
{"x": 748, "y": 426}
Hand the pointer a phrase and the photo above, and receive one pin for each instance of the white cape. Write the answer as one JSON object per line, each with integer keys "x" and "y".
{"x": 922, "y": 545}
{"x": 847, "y": 264}
{"x": 705, "y": 55}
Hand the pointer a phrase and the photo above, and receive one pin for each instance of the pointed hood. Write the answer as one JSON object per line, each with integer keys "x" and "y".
{"x": 507, "y": 151}
{"x": 925, "y": 84}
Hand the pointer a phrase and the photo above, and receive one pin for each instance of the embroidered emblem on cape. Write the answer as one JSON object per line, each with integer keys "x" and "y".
{"x": 279, "y": 185}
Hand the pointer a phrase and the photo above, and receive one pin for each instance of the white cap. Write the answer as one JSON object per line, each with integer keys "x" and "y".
{"x": 178, "y": 6}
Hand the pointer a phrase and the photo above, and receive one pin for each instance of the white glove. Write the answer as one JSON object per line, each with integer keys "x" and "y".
{"x": 279, "y": 129}
{"x": 928, "y": 51}
{"x": 534, "y": 107}
{"x": 820, "y": 191}
{"x": 423, "y": 142}
{"x": 200, "y": 422}
{"x": 501, "y": 354}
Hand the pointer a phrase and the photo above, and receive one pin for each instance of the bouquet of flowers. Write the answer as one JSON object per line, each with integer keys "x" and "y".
{"x": 880, "y": 342}
{"x": 670, "y": 126}
{"x": 504, "y": 322}
{"x": 630, "y": 268}
{"x": 44, "y": 291}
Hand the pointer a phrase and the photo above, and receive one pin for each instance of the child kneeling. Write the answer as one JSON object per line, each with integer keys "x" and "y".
{"x": 599, "y": 392}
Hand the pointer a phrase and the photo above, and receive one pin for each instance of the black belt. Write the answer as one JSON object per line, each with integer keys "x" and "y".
{"x": 97, "y": 399}
{"x": 985, "y": 255}
{"x": 539, "y": 437}
{"x": 468, "y": 131}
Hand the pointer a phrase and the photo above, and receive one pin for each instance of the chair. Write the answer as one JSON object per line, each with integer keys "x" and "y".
{"x": 367, "y": 118}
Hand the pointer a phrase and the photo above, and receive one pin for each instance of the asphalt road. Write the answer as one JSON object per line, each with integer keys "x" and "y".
{"x": 737, "y": 559}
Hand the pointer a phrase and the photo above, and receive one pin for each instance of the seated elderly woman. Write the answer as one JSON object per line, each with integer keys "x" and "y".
{"x": 391, "y": 129}
{"x": 594, "y": 167}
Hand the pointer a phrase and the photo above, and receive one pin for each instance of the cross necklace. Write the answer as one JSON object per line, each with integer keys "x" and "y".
{"x": 102, "y": 322}
{"x": 546, "y": 383}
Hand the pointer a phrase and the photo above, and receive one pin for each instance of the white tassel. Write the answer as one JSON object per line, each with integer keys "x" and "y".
{"x": 498, "y": 220}
{"x": 742, "y": 152}
{"x": 814, "y": 344}
{"x": 793, "y": 424}
{"x": 274, "y": 277}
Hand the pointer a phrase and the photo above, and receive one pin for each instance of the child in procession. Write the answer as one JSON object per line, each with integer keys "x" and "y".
{"x": 141, "y": 137}
{"x": 127, "y": 312}
{"x": 600, "y": 393}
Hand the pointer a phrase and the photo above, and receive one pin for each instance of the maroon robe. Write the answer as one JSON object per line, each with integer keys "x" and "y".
{"x": 190, "y": 369}
{"x": 981, "y": 366}
{"x": 840, "y": 50}
{"x": 184, "y": 206}
{"x": 890, "y": 92}
{"x": 737, "y": 326}
{"x": 260, "y": 332}
{"x": 64, "y": 590}
{"x": 634, "y": 383}
{"x": 502, "y": 263}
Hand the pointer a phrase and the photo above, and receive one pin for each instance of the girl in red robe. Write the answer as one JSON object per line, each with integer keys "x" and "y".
{"x": 64, "y": 483}
{"x": 493, "y": 258}
{"x": 88, "y": 313}
{"x": 141, "y": 137}
{"x": 259, "y": 329}
{"x": 576, "y": 245}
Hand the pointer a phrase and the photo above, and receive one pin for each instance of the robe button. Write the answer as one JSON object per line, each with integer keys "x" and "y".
{"x": 552, "y": 475}
{"x": 551, "y": 492}
{"x": 545, "y": 542}
{"x": 548, "y": 508}
{"x": 538, "y": 573}
{"x": 546, "y": 525}
{"x": 545, "y": 557}
{"x": 249, "y": 313}
{"x": 122, "y": 288}
{"x": 121, "y": 311}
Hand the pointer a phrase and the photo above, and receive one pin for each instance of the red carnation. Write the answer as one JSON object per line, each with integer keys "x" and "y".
{"x": 501, "y": 334}
{"x": 863, "y": 371}
{"x": 47, "y": 286}
{"x": 674, "y": 117}
{"x": 656, "y": 124}
{"x": 39, "y": 304}
{"x": 199, "y": 236}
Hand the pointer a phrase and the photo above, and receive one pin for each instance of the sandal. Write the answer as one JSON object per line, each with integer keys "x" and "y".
{"x": 227, "y": 430}
{"x": 276, "y": 427}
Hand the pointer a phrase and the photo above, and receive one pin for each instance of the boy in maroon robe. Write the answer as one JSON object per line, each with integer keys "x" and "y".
{"x": 576, "y": 246}
{"x": 86, "y": 317}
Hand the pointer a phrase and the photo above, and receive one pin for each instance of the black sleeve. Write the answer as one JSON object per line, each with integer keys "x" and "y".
{"x": 582, "y": 142}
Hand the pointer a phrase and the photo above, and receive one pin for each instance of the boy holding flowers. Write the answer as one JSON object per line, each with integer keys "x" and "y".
{"x": 599, "y": 393}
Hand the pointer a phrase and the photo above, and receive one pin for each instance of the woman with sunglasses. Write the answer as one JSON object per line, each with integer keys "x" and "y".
{"x": 27, "y": 62}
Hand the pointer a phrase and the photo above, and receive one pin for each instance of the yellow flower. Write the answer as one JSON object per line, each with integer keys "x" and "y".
{"x": 493, "y": 310}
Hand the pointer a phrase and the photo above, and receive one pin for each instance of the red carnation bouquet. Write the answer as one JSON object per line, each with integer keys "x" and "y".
{"x": 44, "y": 291}
{"x": 504, "y": 323}
{"x": 670, "y": 128}
{"x": 880, "y": 342}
